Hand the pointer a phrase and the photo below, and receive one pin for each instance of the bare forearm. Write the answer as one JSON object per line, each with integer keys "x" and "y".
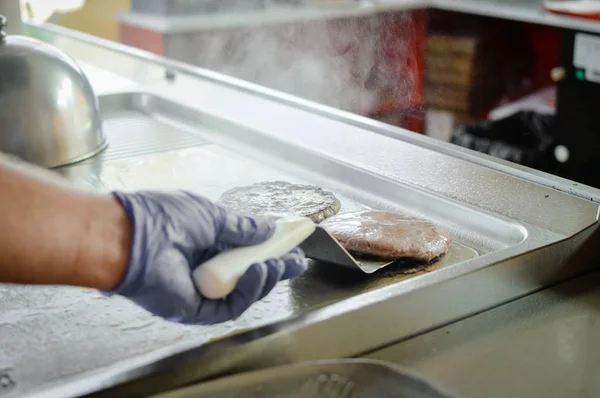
{"x": 53, "y": 234}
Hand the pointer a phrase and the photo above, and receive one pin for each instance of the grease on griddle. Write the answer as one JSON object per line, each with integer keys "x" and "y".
{"x": 408, "y": 266}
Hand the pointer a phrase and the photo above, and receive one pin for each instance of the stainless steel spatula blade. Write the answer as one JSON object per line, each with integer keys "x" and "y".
{"x": 322, "y": 246}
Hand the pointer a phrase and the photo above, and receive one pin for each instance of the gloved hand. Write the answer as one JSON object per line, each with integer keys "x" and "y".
{"x": 173, "y": 233}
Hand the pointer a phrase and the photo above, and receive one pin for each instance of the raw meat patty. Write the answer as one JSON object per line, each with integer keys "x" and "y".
{"x": 387, "y": 235}
{"x": 279, "y": 199}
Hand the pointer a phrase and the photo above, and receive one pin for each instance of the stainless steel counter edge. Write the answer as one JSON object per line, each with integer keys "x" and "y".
{"x": 296, "y": 340}
{"x": 144, "y": 67}
{"x": 530, "y": 11}
{"x": 180, "y": 24}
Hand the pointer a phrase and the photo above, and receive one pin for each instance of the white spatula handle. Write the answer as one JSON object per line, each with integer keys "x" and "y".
{"x": 217, "y": 277}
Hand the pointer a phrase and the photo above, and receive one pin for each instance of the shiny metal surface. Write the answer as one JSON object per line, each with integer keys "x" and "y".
{"x": 48, "y": 111}
{"x": 528, "y": 11}
{"x": 185, "y": 7}
{"x": 496, "y": 258}
{"x": 543, "y": 346}
{"x": 513, "y": 237}
{"x": 350, "y": 378}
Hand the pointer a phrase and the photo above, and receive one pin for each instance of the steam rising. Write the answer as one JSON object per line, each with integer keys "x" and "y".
{"x": 334, "y": 62}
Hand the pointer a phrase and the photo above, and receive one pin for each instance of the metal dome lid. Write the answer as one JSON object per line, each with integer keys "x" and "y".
{"x": 49, "y": 113}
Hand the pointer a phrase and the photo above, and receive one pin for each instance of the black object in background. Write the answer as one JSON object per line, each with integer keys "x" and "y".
{"x": 523, "y": 137}
{"x": 577, "y": 126}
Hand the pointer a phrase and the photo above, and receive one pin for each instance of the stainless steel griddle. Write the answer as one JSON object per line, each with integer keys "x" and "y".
{"x": 207, "y": 134}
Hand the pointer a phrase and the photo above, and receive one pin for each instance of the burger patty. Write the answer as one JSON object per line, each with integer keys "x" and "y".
{"x": 387, "y": 235}
{"x": 279, "y": 199}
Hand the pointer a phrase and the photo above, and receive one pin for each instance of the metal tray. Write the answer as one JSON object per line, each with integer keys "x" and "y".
{"x": 323, "y": 379}
{"x": 179, "y": 7}
{"x": 68, "y": 342}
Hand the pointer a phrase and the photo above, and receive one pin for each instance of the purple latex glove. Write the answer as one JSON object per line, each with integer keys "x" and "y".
{"x": 173, "y": 233}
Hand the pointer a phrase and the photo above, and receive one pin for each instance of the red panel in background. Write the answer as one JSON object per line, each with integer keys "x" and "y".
{"x": 545, "y": 47}
{"x": 402, "y": 47}
{"x": 141, "y": 38}
{"x": 402, "y": 62}
{"x": 394, "y": 46}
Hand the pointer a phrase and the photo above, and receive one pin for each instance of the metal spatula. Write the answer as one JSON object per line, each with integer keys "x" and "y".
{"x": 321, "y": 246}
{"x": 218, "y": 277}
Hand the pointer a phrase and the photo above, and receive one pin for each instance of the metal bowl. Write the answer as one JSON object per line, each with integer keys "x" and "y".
{"x": 49, "y": 114}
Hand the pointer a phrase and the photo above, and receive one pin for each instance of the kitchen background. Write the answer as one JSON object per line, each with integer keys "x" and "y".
{"x": 483, "y": 82}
